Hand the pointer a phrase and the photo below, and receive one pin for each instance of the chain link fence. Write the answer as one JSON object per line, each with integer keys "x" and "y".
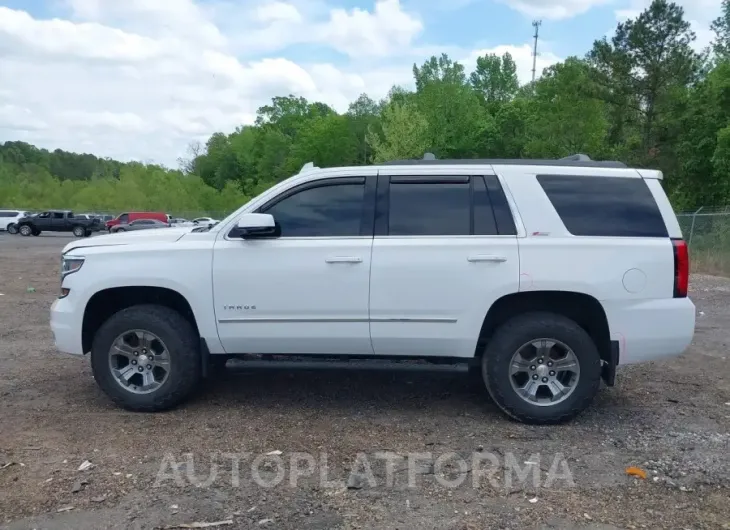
{"x": 707, "y": 232}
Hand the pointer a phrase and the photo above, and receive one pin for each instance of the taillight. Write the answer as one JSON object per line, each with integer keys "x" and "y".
{"x": 681, "y": 268}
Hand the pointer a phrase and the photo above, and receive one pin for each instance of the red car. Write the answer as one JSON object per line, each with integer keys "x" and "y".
{"x": 128, "y": 217}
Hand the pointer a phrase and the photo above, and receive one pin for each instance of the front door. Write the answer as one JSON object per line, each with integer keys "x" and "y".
{"x": 304, "y": 292}
{"x": 442, "y": 255}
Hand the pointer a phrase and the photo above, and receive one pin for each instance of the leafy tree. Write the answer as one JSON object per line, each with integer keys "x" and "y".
{"x": 495, "y": 78}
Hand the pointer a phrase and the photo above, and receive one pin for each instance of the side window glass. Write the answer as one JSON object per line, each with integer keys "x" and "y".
{"x": 124, "y": 218}
{"x": 58, "y": 215}
{"x": 44, "y": 215}
{"x": 429, "y": 209}
{"x": 485, "y": 223}
{"x": 333, "y": 210}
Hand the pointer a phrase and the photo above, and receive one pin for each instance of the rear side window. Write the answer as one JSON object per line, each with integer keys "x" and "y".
{"x": 8, "y": 214}
{"x": 604, "y": 206}
{"x": 430, "y": 209}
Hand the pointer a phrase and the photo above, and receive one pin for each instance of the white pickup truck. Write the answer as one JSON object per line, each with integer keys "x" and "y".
{"x": 543, "y": 275}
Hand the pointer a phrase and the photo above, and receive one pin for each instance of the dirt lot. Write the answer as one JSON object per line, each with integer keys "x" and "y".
{"x": 671, "y": 419}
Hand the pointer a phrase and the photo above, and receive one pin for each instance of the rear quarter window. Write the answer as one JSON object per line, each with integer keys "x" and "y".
{"x": 604, "y": 206}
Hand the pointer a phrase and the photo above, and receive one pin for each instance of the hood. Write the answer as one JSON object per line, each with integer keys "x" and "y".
{"x": 163, "y": 235}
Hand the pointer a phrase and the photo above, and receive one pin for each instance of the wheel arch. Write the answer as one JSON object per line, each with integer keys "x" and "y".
{"x": 106, "y": 302}
{"x": 582, "y": 308}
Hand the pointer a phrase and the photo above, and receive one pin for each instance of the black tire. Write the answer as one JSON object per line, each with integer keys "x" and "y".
{"x": 182, "y": 343}
{"x": 12, "y": 229}
{"x": 119, "y": 230}
{"x": 36, "y": 233}
{"x": 25, "y": 230}
{"x": 518, "y": 331}
{"x": 78, "y": 231}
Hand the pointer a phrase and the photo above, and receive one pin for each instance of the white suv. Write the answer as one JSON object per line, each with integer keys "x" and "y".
{"x": 544, "y": 275}
{"x": 9, "y": 219}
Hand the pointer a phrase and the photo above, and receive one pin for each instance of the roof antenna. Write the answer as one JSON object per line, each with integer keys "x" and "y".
{"x": 429, "y": 156}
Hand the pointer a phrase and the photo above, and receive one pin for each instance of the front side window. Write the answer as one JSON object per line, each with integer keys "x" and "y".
{"x": 124, "y": 218}
{"x": 58, "y": 215}
{"x": 328, "y": 210}
{"x": 44, "y": 215}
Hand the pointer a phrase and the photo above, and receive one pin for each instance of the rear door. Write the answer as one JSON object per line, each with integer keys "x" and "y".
{"x": 445, "y": 249}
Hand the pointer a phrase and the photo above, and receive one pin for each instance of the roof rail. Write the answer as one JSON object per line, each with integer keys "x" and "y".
{"x": 577, "y": 160}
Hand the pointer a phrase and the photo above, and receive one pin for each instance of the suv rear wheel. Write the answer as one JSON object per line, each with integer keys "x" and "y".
{"x": 79, "y": 231}
{"x": 541, "y": 368}
{"x": 12, "y": 228}
{"x": 146, "y": 358}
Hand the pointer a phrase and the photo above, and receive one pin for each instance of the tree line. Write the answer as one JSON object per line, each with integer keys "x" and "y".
{"x": 645, "y": 96}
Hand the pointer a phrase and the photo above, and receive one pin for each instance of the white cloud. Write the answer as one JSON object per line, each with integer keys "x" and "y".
{"x": 553, "y": 9}
{"x": 386, "y": 31}
{"x": 522, "y": 55}
{"x": 140, "y": 80}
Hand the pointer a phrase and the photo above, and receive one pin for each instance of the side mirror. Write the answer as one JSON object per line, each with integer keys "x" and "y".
{"x": 257, "y": 225}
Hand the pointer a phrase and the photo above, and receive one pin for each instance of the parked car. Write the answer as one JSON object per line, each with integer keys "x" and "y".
{"x": 128, "y": 217}
{"x": 205, "y": 221}
{"x": 139, "y": 224}
{"x": 57, "y": 221}
{"x": 544, "y": 276}
{"x": 9, "y": 220}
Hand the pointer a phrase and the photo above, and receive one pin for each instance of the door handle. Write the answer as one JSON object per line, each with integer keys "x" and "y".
{"x": 344, "y": 259}
{"x": 486, "y": 257}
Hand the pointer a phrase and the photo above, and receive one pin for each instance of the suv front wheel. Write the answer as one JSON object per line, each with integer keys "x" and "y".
{"x": 146, "y": 358}
{"x": 541, "y": 368}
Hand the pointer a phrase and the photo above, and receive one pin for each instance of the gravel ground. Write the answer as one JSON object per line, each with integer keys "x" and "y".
{"x": 671, "y": 419}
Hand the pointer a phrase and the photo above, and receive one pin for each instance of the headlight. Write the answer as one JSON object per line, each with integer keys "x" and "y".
{"x": 70, "y": 264}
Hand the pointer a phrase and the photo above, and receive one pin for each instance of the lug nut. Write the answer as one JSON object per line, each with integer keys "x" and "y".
{"x": 544, "y": 380}
{"x": 144, "y": 350}
{"x": 149, "y": 367}
{"x": 140, "y": 369}
{"x": 539, "y": 361}
{"x": 136, "y": 353}
{"x": 550, "y": 363}
{"x": 552, "y": 373}
{"x": 134, "y": 361}
{"x": 533, "y": 367}
{"x": 535, "y": 377}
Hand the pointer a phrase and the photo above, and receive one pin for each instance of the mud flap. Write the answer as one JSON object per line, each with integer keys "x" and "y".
{"x": 608, "y": 371}
{"x": 204, "y": 358}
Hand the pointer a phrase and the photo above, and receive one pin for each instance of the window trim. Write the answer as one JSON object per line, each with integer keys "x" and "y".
{"x": 495, "y": 195}
{"x": 366, "y": 214}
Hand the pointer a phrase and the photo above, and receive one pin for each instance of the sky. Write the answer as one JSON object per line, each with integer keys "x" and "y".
{"x": 142, "y": 79}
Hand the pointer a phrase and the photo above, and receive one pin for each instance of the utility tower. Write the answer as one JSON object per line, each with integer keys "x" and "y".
{"x": 536, "y": 24}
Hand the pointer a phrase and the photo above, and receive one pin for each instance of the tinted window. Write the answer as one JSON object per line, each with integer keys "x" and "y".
{"x": 426, "y": 208}
{"x": 484, "y": 221}
{"x": 57, "y": 215}
{"x": 604, "y": 206}
{"x": 325, "y": 211}
{"x": 124, "y": 218}
{"x": 8, "y": 214}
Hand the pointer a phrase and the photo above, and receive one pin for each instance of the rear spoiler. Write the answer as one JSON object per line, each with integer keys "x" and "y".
{"x": 650, "y": 174}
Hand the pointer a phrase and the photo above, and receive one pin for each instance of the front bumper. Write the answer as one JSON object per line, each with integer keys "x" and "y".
{"x": 66, "y": 326}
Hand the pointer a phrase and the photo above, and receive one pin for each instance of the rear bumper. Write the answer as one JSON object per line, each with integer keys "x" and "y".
{"x": 647, "y": 330}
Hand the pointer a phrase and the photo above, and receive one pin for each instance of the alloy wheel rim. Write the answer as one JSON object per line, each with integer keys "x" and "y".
{"x": 544, "y": 372}
{"x": 139, "y": 361}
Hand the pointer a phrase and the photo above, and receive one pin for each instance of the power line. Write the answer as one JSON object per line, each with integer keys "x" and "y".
{"x": 536, "y": 24}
